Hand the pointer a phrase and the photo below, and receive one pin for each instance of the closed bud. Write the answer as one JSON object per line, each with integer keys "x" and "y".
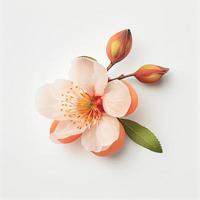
{"x": 119, "y": 45}
{"x": 150, "y": 73}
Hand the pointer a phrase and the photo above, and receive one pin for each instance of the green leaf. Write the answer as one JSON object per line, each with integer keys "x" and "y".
{"x": 141, "y": 135}
{"x": 88, "y": 57}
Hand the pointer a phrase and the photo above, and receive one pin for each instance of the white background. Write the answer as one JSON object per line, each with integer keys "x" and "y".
{"x": 40, "y": 38}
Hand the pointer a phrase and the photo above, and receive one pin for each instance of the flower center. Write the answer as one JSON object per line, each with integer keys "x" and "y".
{"x": 81, "y": 108}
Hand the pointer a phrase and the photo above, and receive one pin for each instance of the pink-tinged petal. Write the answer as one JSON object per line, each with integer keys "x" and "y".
{"x": 116, "y": 146}
{"x": 49, "y": 97}
{"x": 61, "y": 130}
{"x": 102, "y": 135}
{"x": 67, "y": 139}
{"x": 89, "y": 75}
{"x": 117, "y": 99}
{"x": 100, "y": 79}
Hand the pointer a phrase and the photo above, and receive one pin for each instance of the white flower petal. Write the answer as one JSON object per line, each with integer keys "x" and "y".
{"x": 48, "y": 99}
{"x": 116, "y": 99}
{"x": 89, "y": 75}
{"x": 101, "y": 136}
{"x": 66, "y": 129}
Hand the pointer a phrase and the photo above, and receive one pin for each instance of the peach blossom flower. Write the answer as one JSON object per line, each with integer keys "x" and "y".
{"x": 88, "y": 107}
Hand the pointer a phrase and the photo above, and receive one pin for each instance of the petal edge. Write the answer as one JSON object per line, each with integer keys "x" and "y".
{"x": 117, "y": 99}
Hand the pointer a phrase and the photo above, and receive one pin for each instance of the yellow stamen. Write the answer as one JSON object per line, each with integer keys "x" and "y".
{"x": 80, "y": 107}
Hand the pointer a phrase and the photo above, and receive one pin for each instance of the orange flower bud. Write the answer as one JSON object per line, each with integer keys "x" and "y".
{"x": 119, "y": 45}
{"x": 150, "y": 73}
